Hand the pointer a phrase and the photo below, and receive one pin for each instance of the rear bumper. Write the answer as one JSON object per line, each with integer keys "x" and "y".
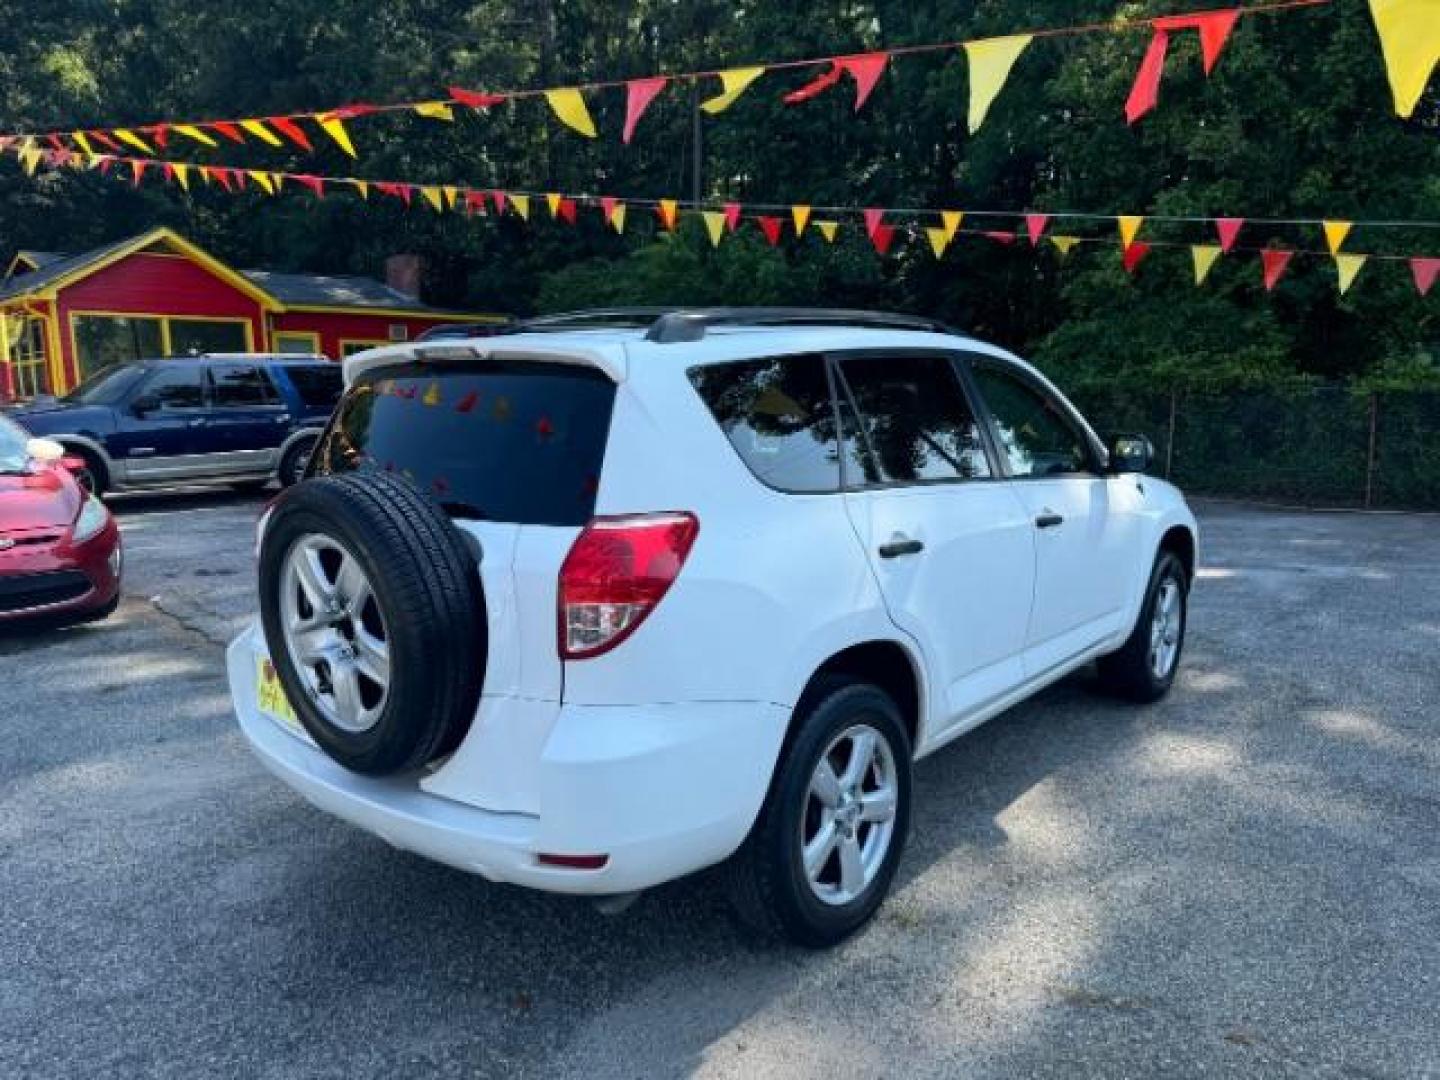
{"x": 660, "y": 790}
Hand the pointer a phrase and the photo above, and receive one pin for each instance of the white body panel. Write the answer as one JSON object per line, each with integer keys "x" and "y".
{"x": 660, "y": 752}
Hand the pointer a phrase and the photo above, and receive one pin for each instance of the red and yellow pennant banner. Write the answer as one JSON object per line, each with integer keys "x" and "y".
{"x": 1408, "y": 32}
{"x": 883, "y": 226}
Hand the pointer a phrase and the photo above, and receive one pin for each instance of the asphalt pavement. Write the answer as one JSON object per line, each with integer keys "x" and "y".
{"x": 1243, "y": 879}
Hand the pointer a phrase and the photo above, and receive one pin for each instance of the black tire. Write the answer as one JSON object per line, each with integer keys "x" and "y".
{"x": 766, "y": 877}
{"x": 93, "y": 478}
{"x": 1128, "y": 672}
{"x": 294, "y": 461}
{"x": 426, "y": 586}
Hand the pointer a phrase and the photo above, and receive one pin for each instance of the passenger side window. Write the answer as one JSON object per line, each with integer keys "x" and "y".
{"x": 778, "y": 415}
{"x": 1036, "y": 437}
{"x": 241, "y": 386}
{"x": 178, "y": 387}
{"x": 319, "y": 385}
{"x": 914, "y": 419}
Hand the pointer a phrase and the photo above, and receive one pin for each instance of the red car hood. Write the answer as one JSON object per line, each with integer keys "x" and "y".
{"x": 49, "y": 498}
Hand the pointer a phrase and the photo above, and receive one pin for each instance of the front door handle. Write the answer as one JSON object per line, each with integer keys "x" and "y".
{"x": 197, "y": 423}
{"x": 1048, "y": 520}
{"x": 900, "y": 546}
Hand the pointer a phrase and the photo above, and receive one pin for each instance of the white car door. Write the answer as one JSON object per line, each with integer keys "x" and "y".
{"x": 950, "y": 544}
{"x": 1085, "y": 523}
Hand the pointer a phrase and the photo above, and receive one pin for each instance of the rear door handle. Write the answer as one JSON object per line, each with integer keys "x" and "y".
{"x": 1048, "y": 521}
{"x": 896, "y": 548}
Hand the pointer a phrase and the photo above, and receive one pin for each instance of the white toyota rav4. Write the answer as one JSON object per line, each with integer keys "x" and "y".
{"x": 617, "y": 597}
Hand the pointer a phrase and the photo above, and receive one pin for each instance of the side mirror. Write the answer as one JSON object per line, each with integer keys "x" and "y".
{"x": 1131, "y": 454}
{"x": 45, "y": 451}
{"x": 145, "y": 403}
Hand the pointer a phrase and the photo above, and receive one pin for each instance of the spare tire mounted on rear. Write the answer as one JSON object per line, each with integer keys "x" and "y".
{"x": 374, "y": 615}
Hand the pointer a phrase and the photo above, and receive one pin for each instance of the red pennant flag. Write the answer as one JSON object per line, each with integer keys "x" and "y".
{"x": 639, "y": 93}
{"x": 161, "y": 134}
{"x": 1214, "y": 28}
{"x": 865, "y": 69}
{"x": 498, "y": 198}
{"x": 222, "y": 176}
{"x": 607, "y": 206}
{"x": 566, "y": 210}
{"x": 314, "y": 183}
{"x": 817, "y": 85}
{"x": 1134, "y": 255}
{"x": 468, "y": 402}
{"x": 1000, "y": 236}
{"x": 1229, "y": 229}
{"x": 732, "y": 216}
{"x": 6, "y": 141}
{"x": 106, "y": 165}
{"x": 881, "y": 237}
{"x": 229, "y": 130}
{"x": 1424, "y": 271}
{"x": 291, "y": 131}
{"x": 874, "y": 218}
{"x": 104, "y": 139}
{"x": 169, "y": 171}
{"x": 1035, "y": 227}
{"x": 1273, "y": 261}
{"x": 770, "y": 226}
{"x": 137, "y": 167}
{"x": 474, "y": 100}
{"x": 474, "y": 202}
{"x": 54, "y": 141}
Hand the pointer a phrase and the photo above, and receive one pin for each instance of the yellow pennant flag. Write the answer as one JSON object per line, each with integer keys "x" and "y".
{"x": 990, "y": 62}
{"x": 570, "y": 107}
{"x": 336, "y": 130}
{"x": 363, "y": 187}
{"x": 127, "y": 136}
{"x": 261, "y": 132}
{"x": 82, "y": 142}
{"x": 1203, "y": 256}
{"x": 1410, "y": 41}
{"x": 1129, "y": 228}
{"x": 1335, "y": 233}
{"x": 669, "y": 212}
{"x": 950, "y": 221}
{"x": 1063, "y": 243}
{"x": 263, "y": 179}
{"x": 521, "y": 203}
{"x": 452, "y": 196}
{"x": 552, "y": 200}
{"x": 828, "y": 229}
{"x": 714, "y": 225}
{"x": 30, "y": 159}
{"x": 938, "y": 240}
{"x": 617, "y": 218}
{"x": 206, "y": 175}
{"x": 735, "y": 81}
{"x": 182, "y": 175}
{"x": 801, "y": 216}
{"x": 432, "y": 394}
{"x": 1347, "y": 266}
{"x": 190, "y": 131}
{"x": 435, "y": 110}
{"x": 432, "y": 196}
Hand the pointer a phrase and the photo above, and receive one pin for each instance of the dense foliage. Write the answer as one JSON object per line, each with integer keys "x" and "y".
{"x": 1295, "y": 122}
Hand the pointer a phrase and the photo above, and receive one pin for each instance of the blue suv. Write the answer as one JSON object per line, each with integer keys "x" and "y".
{"x": 239, "y": 419}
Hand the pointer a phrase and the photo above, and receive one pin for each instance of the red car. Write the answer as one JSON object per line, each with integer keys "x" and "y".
{"x": 59, "y": 547}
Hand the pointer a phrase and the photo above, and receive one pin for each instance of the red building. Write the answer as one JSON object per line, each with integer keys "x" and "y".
{"x": 63, "y": 317}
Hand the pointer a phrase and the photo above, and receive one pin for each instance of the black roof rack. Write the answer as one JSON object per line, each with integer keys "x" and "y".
{"x": 668, "y": 325}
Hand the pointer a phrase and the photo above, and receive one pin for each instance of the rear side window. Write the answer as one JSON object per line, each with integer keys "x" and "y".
{"x": 778, "y": 415}
{"x": 319, "y": 385}
{"x": 241, "y": 386}
{"x": 494, "y": 441}
{"x": 914, "y": 418}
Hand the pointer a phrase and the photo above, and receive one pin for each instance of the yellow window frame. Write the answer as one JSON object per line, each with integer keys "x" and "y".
{"x": 166, "y": 343}
{"x": 354, "y": 345}
{"x": 310, "y": 337}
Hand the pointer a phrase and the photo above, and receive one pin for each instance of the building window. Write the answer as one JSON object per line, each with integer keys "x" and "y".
{"x": 191, "y": 337}
{"x": 102, "y": 340}
{"x": 297, "y": 343}
{"x": 29, "y": 359}
{"x": 350, "y": 348}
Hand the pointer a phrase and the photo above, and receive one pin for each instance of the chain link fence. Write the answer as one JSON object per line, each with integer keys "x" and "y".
{"x": 1323, "y": 446}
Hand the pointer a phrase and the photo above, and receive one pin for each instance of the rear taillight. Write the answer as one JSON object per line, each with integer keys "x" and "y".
{"x": 616, "y": 573}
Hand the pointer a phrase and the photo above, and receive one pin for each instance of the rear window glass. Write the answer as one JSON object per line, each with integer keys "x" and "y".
{"x": 319, "y": 385}
{"x": 778, "y": 415}
{"x": 494, "y": 441}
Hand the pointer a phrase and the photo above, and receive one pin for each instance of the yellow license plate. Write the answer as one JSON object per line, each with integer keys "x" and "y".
{"x": 271, "y": 696}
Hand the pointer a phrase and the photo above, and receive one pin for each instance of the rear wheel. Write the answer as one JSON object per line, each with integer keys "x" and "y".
{"x": 92, "y": 477}
{"x": 823, "y": 852}
{"x": 1143, "y": 669}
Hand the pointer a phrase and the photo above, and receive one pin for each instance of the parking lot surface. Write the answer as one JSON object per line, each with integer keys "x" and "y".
{"x": 1242, "y": 879}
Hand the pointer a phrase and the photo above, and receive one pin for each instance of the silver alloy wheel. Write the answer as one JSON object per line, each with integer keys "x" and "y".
{"x": 1165, "y": 627}
{"x": 848, "y": 820}
{"x": 334, "y": 632}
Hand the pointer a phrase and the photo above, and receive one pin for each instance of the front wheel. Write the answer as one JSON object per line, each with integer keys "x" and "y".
{"x": 823, "y": 852}
{"x": 1143, "y": 669}
{"x": 295, "y": 461}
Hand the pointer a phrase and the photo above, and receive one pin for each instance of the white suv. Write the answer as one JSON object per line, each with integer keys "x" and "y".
{"x": 611, "y": 599}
